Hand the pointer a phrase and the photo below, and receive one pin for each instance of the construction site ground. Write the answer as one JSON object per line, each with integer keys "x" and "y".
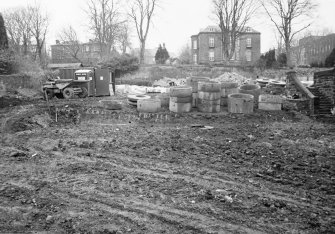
{"x": 101, "y": 171}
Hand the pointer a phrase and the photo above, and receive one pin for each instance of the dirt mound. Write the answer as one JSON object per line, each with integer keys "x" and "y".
{"x": 29, "y": 93}
{"x": 7, "y": 101}
{"x": 28, "y": 120}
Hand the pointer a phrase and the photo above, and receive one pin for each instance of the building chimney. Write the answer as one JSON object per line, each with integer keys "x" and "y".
{"x": 57, "y": 42}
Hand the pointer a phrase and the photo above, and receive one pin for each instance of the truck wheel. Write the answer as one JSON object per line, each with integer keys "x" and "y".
{"x": 59, "y": 95}
{"x": 84, "y": 93}
{"x": 68, "y": 93}
{"x": 48, "y": 94}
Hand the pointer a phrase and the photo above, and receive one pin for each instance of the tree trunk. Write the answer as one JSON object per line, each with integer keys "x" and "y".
{"x": 288, "y": 54}
{"x": 124, "y": 48}
{"x": 25, "y": 46}
{"x": 142, "y": 51}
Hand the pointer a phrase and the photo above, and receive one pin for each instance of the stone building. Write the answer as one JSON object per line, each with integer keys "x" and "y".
{"x": 89, "y": 53}
{"x": 314, "y": 49}
{"x": 207, "y": 47}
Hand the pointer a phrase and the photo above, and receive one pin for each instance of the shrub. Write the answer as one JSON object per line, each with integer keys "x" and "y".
{"x": 162, "y": 55}
{"x": 7, "y": 62}
{"x": 185, "y": 56}
{"x": 123, "y": 63}
{"x": 282, "y": 60}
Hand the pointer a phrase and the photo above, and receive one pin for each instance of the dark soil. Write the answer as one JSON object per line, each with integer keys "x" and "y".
{"x": 120, "y": 172}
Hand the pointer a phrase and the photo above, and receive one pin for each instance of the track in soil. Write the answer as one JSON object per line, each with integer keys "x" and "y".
{"x": 264, "y": 173}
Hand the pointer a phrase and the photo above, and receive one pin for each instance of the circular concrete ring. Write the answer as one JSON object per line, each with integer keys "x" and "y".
{"x": 136, "y": 97}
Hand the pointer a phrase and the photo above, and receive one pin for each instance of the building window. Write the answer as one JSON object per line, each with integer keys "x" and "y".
{"x": 211, "y": 42}
{"x": 248, "y": 55}
{"x": 211, "y": 56}
{"x": 237, "y": 53}
{"x": 248, "y": 42}
{"x": 96, "y": 48}
{"x": 195, "y": 58}
{"x": 195, "y": 46}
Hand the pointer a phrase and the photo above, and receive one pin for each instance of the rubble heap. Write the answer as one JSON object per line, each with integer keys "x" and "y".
{"x": 232, "y": 77}
{"x": 166, "y": 82}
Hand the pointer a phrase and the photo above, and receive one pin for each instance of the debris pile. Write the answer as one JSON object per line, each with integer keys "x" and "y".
{"x": 167, "y": 82}
{"x": 138, "y": 90}
{"x": 29, "y": 93}
{"x": 232, "y": 77}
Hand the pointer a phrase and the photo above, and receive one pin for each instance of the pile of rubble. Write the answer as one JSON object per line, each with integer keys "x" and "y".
{"x": 232, "y": 77}
{"x": 166, "y": 82}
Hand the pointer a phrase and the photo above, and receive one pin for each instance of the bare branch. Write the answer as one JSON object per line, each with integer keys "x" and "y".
{"x": 232, "y": 16}
{"x": 284, "y": 14}
{"x": 141, "y": 13}
{"x": 105, "y": 23}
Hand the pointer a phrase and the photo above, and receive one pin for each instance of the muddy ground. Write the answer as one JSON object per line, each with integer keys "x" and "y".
{"x": 98, "y": 171}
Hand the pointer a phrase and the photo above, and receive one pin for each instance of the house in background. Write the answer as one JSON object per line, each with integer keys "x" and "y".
{"x": 313, "y": 49}
{"x": 207, "y": 47}
{"x": 88, "y": 53}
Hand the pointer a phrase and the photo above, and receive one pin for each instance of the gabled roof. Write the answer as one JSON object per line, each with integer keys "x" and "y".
{"x": 213, "y": 28}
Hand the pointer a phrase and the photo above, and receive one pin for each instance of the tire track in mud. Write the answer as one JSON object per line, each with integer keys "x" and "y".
{"x": 135, "y": 210}
{"x": 207, "y": 182}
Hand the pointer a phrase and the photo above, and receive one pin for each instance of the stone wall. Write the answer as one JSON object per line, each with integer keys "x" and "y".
{"x": 298, "y": 95}
{"x": 14, "y": 82}
{"x": 325, "y": 83}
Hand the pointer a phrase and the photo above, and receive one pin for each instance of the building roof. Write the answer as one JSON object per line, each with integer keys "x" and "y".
{"x": 64, "y": 65}
{"x": 213, "y": 28}
{"x": 83, "y": 71}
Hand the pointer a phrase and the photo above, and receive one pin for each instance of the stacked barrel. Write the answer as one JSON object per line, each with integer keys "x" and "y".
{"x": 209, "y": 96}
{"x": 226, "y": 89}
{"x": 252, "y": 89}
{"x": 193, "y": 82}
{"x": 240, "y": 103}
{"x": 164, "y": 98}
{"x": 180, "y": 99}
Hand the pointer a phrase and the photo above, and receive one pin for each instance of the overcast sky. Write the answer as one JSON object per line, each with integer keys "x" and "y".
{"x": 175, "y": 21}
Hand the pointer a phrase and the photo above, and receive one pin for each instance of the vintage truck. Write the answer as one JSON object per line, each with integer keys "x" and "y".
{"x": 65, "y": 88}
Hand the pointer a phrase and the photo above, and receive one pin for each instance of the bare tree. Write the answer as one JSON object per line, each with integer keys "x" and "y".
{"x": 19, "y": 24}
{"x": 297, "y": 53}
{"x": 104, "y": 17}
{"x": 287, "y": 16}
{"x": 232, "y": 17}
{"x": 70, "y": 41}
{"x": 141, "y": 12}
{"x": 185, "y": 55}
{"x": 39, "y": 28}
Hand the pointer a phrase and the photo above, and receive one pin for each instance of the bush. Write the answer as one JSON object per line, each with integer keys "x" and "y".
{"x": 282, "y": 60}
{"x": 185, "y": 56}
{"x": 7, "y": 62}
{"x": 261, "y": 63}
{"x": 123, "y": 63}
{"x": 162, "y": 55}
